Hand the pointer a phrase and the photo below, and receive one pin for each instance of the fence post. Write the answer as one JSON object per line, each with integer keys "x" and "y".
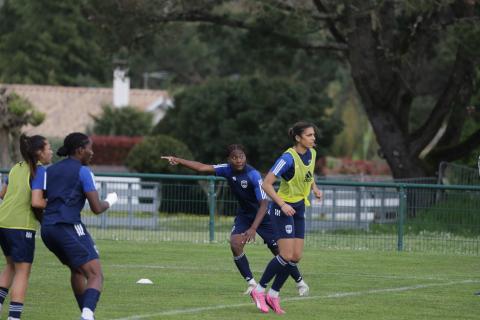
{"x": 358, "y": 206}
{"x": 211, "y": 206}
{"x": 401, "y": 216}
{"x": 103, "y": 194}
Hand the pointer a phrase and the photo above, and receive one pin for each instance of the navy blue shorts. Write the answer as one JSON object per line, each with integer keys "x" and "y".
{"x": 71, "y": 243}
{"x": 18, "y": 244}
{"x": 265, "y": 231}
{"x": 287, "y": 227}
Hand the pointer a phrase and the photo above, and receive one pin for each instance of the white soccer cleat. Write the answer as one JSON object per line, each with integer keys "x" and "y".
{"x": 251, "y": 285}
{"x": 303, "y": 289}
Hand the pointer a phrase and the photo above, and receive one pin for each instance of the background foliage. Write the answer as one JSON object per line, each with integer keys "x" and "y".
{"x": 252, "y": 111}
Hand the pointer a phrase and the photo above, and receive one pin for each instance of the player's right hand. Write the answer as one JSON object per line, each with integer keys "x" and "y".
{"x": 171, "y": 160}
{"x": 249, "y": 236}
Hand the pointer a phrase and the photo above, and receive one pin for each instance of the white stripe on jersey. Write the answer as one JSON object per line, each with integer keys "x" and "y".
{"x": 222, "y": 165}
{"x": 279, "y": 166}
{"x": 45, "y": 180}
{"x": 264, "y": 195}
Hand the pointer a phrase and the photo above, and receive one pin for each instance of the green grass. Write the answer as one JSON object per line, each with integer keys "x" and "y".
{"x": 344, "y": 284}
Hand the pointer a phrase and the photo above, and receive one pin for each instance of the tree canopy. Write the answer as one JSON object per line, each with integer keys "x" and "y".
{"x": 125, "y": 121}
{"x": 15, "y": 112}
{"x": 252, "y": 111}
{"x": 50, "y": 42}
{"x": 406, "y": 58}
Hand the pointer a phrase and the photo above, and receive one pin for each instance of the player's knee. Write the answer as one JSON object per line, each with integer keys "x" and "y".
{"x": 236, "y": 247}
{"x": 287, "y": 256}
{"x": 296, "y": 258}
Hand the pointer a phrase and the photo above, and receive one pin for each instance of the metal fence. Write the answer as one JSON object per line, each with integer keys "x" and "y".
{"x": 451, "y": 173}
{"x": 351, "y": 215}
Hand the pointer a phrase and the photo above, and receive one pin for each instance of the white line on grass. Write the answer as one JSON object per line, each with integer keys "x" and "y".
{"x": 329, "y": 296}
{"x": 210, "y": 269}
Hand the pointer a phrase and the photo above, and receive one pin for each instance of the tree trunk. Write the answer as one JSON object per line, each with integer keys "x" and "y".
{"x": 4, "y": 149}
{"x": 381, "y": 80}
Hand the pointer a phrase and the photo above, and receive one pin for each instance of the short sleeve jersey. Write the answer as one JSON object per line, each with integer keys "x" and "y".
{"x": 284, "y": 166}
{"x": 246, "y": 185}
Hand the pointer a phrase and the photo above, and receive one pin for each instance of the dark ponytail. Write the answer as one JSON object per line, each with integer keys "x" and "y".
{"x": 71, "y": 143}
{"x": 29, "y": 147}
{"x": 298, "y": 128}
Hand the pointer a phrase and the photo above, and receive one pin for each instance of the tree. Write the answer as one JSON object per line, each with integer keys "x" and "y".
{"x": 126, "y": 121}
{"x": 253, "y": 111}
{"x": 402, "y": 56}
{"x": 50, "y": 42}
{"x": 15, "y": 112}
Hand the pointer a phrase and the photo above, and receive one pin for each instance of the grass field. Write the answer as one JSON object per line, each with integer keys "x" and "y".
{"x": 199, "y": 281}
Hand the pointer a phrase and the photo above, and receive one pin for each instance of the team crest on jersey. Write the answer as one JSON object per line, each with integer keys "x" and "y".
{"x": 308, "y": 177}
{"x": 244, "y": 184}
{"x": 288, "y": 228}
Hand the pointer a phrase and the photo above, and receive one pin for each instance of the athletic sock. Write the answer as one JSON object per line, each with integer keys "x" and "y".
{"x": 79, "y": 298}
{"x": 15, "y": 309}
{"x": 273, "y": 293}
{"x": 87, "y": 314}
{"x": 294, "y": 272}
{"x": 243, "y": 266}
{"x": 90, "y": 299}
{"x": 3, "y": 295}
{"x": 281, "y": 277}
{"x": 275, "y": 266}
{"x": 259, "y": 288}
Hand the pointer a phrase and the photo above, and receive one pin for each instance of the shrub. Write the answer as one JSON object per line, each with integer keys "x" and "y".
{"x": 145, "y": 157}
{"x": 125, "y": 121}
{"x": 112, "y": 150}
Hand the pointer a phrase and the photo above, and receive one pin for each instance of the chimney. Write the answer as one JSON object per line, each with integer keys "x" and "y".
{"x": 121, "y": 87}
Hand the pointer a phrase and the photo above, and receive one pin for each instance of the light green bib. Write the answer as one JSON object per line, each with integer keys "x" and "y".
{"x": 16, "y": 208}
{"x": 299, "y": 186}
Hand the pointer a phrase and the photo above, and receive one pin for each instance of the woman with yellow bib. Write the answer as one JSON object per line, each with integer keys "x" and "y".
{"x": 23, "y": 190}
{"x": 287, "y": 211}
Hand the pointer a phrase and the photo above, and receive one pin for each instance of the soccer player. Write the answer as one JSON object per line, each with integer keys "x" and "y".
{"x": 69, "y": 183}
{"x": 245, "y": 183}
{"x": 287, "y": 211}
{"x": 22, "y": 191}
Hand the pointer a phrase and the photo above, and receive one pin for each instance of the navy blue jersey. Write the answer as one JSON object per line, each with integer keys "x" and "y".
{"x": 67, "y": 182}
{"x": 246, "y": 185}
{"x": 284, "y": 166}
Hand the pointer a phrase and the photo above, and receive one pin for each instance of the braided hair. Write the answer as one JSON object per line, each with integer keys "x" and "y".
{"x": 71, "y": 143}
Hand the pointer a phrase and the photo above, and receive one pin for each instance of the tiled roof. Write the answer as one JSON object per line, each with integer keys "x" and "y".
{"x": 68, "y": 109}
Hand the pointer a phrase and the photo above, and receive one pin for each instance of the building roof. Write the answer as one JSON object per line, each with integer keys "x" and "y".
{"x": 68, "y": 109}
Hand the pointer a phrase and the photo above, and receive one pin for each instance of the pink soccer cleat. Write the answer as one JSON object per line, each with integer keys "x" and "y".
{"x": 259, "y": 300}
{"x": 274, "y": 303}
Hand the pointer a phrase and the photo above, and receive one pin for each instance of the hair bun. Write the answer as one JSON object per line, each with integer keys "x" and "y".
{"x": 62, "y": 151}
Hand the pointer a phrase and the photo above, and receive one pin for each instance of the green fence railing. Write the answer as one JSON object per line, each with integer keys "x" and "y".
{"x": 353, "y": 215}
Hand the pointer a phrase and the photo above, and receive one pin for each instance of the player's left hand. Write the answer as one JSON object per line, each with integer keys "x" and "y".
{"x": 318, "y": 194}
{"x": 249, "y": 235}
